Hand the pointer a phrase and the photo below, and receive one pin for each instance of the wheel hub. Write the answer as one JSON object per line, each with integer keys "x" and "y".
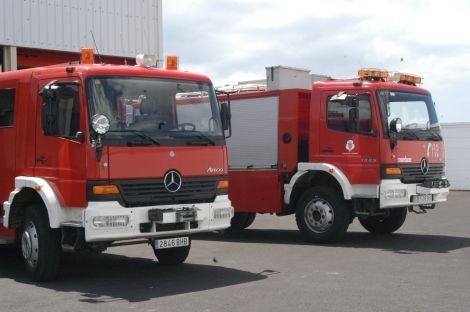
{"x": 29, "y": 244}
{"x": 319, "y": 215}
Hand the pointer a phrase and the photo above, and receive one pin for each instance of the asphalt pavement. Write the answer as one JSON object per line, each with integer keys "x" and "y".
{"x": 425, "y": 266}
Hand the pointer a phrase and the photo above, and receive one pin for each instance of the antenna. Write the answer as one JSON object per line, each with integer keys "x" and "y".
{"x": 96, "y": 46}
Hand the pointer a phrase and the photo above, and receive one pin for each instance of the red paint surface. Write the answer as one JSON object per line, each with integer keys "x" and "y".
{"x": 27, "y": 58}
{"x": 154, "y": 162}
{"x": 255, "y": 190}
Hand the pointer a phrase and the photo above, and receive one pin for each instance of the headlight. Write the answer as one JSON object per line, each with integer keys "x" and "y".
{"x": 100, "y": 123}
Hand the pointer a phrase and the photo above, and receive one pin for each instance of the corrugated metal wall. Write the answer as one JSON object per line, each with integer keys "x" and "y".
{"x": 457, "y": 143}
{"x": 121, "y": 27}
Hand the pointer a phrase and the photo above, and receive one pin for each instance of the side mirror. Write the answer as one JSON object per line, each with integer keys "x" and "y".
{"x": 396, "y": 125}
{"x": 352, "y": 101}
{"x": 80, "y": 137}
{"x": 225, "y": 113}
{"x": 225, "y": 116}
{"x": 49, "y": 110}
{"x": 353, "y": 119}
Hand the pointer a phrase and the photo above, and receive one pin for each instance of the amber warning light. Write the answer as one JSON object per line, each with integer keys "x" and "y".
{"x": 87, "y": 56}
{"x": 172, "y": 62}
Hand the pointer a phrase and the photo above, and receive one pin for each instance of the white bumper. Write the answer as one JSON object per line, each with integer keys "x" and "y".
{"x": 210, "y": 217}
{"x": 393, "y": 193}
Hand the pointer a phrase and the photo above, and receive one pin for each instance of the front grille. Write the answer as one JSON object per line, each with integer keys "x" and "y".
{"x": 153, "y": 192}
{"x": 413, "y": 173}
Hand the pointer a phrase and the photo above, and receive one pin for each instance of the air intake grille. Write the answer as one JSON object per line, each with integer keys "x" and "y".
{"x": 413, "y": 173}
{"x": 153, "y": 192}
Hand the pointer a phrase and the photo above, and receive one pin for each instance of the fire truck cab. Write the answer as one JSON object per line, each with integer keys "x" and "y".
{"x": 97, "y": 155}
{"x": 368, "y": 147}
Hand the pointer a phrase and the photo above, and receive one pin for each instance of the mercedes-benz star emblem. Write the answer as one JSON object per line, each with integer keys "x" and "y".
{"x": 424, "y": 165}
{"x": 172, "y": 181}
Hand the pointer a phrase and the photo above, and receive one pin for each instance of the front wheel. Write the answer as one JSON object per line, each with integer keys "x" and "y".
{"x": 172, "y": 256}
{"x": 322, "y": 215}
{"x": 40, "y": 245}
{"x": 242, "y": 220}
{"x": 387, "y": 224}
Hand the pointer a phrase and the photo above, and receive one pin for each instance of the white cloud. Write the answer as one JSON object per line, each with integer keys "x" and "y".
{"x": 234, "y": 40}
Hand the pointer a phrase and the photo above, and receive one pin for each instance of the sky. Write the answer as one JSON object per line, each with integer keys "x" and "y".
{"x": 235, "y": 40}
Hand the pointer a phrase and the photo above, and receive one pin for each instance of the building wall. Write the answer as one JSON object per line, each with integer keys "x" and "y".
{"x": 457, "y": 143}
{"x": 121, "y": 28}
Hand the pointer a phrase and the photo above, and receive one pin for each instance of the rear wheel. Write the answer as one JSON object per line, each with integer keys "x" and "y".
{"x": 172, "y": 256}
{"x": 322, "y": 215}
{"x": 40, "y": 245}
{"x": 387, "y": 224}
{"x": 242, "y": 220}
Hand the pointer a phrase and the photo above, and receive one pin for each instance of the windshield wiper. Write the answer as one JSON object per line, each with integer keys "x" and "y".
{"x": 206, "y": 140}
{"x": 434, "y": 135}
{"x": 405, "y": 135}
{"x": 140, "y": 134}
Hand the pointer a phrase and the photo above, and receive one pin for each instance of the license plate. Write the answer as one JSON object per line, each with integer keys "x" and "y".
{"x": 171, "y": 242}
{"x": 422, "y": 199}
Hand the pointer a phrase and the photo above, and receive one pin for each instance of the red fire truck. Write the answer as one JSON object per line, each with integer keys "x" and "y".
{"x": 97, "y": 155}
{"x": 368, "y": 147}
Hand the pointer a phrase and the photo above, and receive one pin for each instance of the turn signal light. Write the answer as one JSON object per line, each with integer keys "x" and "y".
{"x": 105, "y": 189}
{"x": 87, "y": 56}
{"x": 172, "y": 62}
{"x": 392, "y": 171}
{"x": 223, "y": 184}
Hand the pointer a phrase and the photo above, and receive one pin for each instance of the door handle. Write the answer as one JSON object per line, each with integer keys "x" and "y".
{"x": 327, "y": 150}
{"x": 41, "y": 159}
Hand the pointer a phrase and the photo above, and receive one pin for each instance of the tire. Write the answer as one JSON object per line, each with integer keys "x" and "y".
{"x": 242, "y": 220}
{"x": 40, "y": 245}
{"x": 322, "y": 215}
{"x": 172, "y": 256}
{"x": 385, "y": 225}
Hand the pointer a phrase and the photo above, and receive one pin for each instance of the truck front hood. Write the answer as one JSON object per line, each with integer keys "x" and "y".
{"x": 154, "y": 162}
{"x": 411, "y": 152}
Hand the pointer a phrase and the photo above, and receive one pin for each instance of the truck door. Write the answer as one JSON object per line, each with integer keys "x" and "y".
{"x": 349, "y": 139}
{"x": 7, "y": 152}
{"x": 60, "y": 148}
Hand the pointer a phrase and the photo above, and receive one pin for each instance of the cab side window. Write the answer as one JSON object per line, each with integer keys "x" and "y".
{"x": 62, "y": 115}
{"x": 7, "y": 107}
{"x": 345, "y": 118}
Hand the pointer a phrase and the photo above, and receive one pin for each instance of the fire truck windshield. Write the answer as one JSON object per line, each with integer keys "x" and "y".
{"x": 151, "y": 111}
{"x": 417, "y": 112}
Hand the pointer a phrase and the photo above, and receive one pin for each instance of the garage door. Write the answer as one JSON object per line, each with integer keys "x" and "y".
{"x": 457, "y": 143}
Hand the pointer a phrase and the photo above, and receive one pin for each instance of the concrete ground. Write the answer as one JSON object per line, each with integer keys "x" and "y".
{"x": 423, "y": 267}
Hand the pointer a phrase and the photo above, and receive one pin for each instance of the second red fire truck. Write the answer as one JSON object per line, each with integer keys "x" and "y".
{"x": 369, "y": 147}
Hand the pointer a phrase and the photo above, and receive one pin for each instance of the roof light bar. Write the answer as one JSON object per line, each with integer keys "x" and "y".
{"x": 383, "y": 75}
{"x": 407, "y": 79}
{"x": 373, "y": 74}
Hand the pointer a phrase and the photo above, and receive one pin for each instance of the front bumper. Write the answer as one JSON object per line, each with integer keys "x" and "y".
{"x": 394, "y": 193}
{"x": 208, "y": 217}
